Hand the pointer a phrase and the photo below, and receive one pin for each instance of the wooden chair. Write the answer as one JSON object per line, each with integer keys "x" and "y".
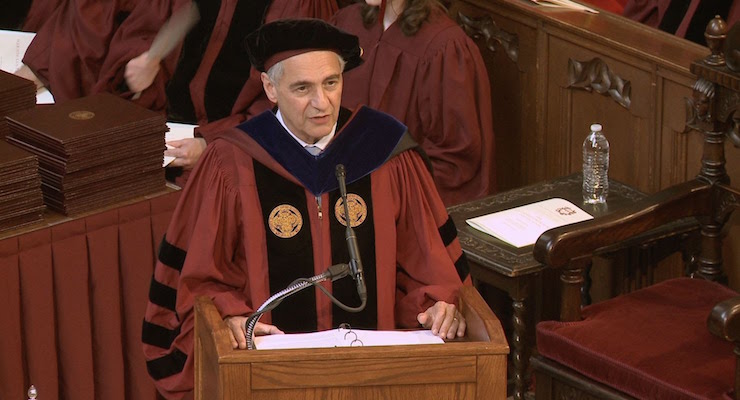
{"x": 653, "y": 343}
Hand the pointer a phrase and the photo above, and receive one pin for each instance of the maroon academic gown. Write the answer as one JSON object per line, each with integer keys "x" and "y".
{"x": 436, "y": 83}
{"x": 225, "y": 242}
{"x": 84, "y": 46}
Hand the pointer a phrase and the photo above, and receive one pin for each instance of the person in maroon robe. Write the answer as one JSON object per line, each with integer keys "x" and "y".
{"x": 213, "y": 80}
{"x": 261, "y": 209}
{"x": 82, "y": 48}
{"x": 421, "y": 68}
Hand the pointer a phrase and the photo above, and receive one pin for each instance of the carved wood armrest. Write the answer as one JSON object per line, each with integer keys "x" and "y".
{"x": 724, "y": 321}
{"x": 558, "y": 247}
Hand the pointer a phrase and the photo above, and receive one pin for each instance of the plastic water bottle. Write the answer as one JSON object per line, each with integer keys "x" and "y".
{"x": 595, "y": 166}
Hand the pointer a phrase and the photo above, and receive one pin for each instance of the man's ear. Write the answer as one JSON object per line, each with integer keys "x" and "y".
{"x": 270, "y": 89}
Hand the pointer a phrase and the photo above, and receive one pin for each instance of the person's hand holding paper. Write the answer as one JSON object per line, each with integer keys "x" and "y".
{"x": 183, "y": 149}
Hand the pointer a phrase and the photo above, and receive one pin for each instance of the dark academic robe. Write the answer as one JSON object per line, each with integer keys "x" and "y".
{"x": 684, "y": 18}
{"x": 436, "y": 83}
{"x": 214, "y": 79}
{"x": 83, "y": 47}
{"x": 258, "y": 212}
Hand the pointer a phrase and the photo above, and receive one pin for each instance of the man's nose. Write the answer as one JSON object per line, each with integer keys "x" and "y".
{"x": 320, "y": 99}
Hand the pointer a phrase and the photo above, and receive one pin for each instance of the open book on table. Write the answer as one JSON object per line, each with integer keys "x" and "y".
{"x": 521, "y": 226}
{"x": 345, "y": 337}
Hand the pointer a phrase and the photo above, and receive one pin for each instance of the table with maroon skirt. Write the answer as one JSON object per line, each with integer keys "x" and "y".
{"x": 73, "y": 292}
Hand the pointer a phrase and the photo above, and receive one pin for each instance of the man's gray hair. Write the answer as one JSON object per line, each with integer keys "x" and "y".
{"x": 276, "y": 71}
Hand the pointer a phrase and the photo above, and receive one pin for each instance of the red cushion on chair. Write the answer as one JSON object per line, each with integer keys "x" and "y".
{"x": 652, "y": 343}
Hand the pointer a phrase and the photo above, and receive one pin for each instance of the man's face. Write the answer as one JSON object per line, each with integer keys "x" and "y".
{"x": 308, "y": 93}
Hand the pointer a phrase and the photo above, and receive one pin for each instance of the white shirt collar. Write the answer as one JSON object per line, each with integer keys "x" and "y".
{"x": 322, "y": 143}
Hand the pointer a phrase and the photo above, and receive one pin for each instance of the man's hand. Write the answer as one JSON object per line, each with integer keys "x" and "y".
{"x": 444, "y": 320}
{"x": 25, "y": 72}
{"x": 186, "y": 152}
{"x": 140, "y": 72}
{"x": 239, "y": 335}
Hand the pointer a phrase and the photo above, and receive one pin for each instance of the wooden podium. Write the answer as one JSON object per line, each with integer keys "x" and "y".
{"x": 471, "y": 368}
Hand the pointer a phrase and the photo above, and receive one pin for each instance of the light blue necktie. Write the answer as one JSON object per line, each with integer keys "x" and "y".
{"x": 314, "y": 150}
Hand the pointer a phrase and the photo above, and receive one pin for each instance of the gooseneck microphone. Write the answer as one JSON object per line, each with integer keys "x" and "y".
{"x": 355, "y": 264}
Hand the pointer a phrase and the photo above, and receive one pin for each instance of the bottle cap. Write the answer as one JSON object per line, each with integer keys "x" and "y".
{"x": 596, "y": 127}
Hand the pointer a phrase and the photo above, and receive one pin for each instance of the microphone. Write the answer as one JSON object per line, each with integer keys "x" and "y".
{"x": 333, "y": 273}
{"x": 355, "y": 264}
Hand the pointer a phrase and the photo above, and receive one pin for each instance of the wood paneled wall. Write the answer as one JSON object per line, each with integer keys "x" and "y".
{"x": 554, "y": 72}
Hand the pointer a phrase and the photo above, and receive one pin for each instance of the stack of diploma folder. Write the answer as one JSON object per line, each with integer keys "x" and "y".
{"x": 94, "y": 151}
{"x": 21, "y": 202}
{"x": 16, "y": 94}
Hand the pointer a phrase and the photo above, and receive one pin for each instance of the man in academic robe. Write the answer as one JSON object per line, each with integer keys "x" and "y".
{"x": 261, "y": 210}
{"x": 423, "y": 69}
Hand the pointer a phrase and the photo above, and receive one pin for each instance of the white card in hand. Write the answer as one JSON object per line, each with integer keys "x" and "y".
{"x": 177, "y": 131}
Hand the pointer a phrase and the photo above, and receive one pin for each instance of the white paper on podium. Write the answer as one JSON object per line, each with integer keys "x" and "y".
{"x": 177, "y": 131}
{"x": 345, "y": 338}
{"x": 13, "y": 46}
{"x": 521, "y": 226}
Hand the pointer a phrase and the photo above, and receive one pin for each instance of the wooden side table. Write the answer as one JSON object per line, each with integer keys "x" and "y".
{"x": 514, "y": 270}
